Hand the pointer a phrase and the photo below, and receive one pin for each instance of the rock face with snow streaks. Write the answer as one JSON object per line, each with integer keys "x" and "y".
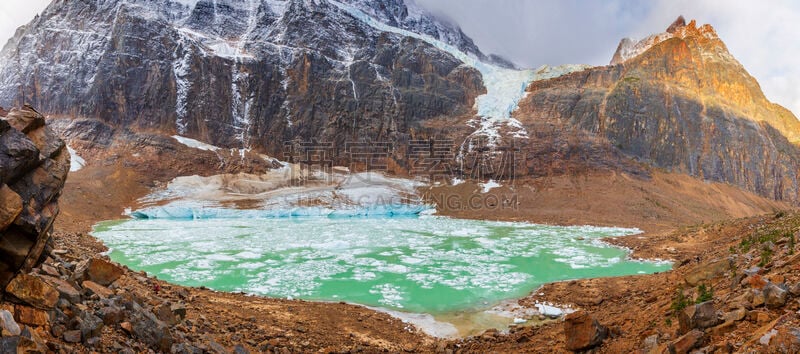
{"x": 239, "y": 73}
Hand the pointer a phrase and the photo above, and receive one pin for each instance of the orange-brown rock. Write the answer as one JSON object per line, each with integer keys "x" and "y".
{"x": 687, "y": 342}
{"x": 582, "y": 331}
{"x": 681, "y": 102}
{"x": 97, "y": 289}
{"x": 33, "y": 291}
{"x": 99, "y": 271}
{"x": 10, "y": 206}
{"x": 31, "y": 316}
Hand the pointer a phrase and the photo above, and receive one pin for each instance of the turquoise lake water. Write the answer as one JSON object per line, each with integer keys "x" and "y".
{"x": 421, "y": 264}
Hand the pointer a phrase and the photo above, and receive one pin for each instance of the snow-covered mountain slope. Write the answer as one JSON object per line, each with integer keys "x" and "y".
{"x": 505, "y": 87}
{"x": 255, "y": 73}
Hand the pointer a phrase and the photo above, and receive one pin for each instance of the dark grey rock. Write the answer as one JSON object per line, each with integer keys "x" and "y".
{"x": 701, "y": 316}
{"x": 774, "y": 295}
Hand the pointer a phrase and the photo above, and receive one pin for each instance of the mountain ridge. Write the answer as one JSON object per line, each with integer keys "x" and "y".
{"x": 255, "y": 74}
{"x": 684, "y": 104}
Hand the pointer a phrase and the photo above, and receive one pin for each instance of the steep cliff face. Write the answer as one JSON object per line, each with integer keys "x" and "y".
{"x": 34, "y": 164}
{"x": 680, "y": 101}
{"x": 239, "y": 73}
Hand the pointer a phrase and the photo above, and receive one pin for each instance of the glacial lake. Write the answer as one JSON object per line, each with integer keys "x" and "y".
{"x": 417, "y": 264}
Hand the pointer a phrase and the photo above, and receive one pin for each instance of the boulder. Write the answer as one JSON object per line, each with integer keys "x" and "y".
{"x": 46, "y": 141}
{"x": 10, "y": 206}
{"x": 146, "y": 327}
{"x": 90, "y": 326}
{"x": 65, "y": 289}
{"x": 111, "y": 315}
{"x": 735, "y": 315}
{"x": 25, "y": 119}
{"x": 97, "y": 289}
{"x": 709, "y": 271}
{"x": 33, "y": 168}
{"x": 700, "y": 316}
{"x": 31, "y": 343}
{"x": 73, "y": 336}
{"x": 50, "y": 270}
{"x": 127, "y": 327}
{"x": 33, "y": 291}
{"x": 179, "y": 310}
{"x": 9, "y": 344}
{"x": 32, "y": 316}
{"x": 759, "y": 317}
{"x": 164, "y": 313}
{"x": 649, "y": 345}
{"x": 687, "y": 342}
{"x": 18, "y": 156}
{"x": 795, "y": 289}
{"x": 8, "y": 326}
{"x": 785, "y": 340}
{"x": 758, "y": 298}
{"x": 774, "y": 296}
{"x": 99, "y": 271}
{"x": 582, "y": 331}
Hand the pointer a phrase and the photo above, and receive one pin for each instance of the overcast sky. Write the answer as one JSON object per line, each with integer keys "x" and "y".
{"x": 763, "y": 35}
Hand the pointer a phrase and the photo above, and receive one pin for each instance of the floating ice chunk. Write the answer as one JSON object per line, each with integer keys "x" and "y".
{"x": 549, "y": 311}
{"x": 76, "y": 162}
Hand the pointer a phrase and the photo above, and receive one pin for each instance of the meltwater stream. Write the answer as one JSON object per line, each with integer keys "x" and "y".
{"x": 419, "y": 264}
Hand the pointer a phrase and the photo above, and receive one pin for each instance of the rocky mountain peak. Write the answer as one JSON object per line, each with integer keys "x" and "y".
{"x": 679, "y": 100}
{"x": 678, "y": 23}
{"x": 629, "y": 48}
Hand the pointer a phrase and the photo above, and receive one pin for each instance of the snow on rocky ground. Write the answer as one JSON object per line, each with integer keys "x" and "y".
{"x": 488, "y": 186}
{"x": 196, "y": 144}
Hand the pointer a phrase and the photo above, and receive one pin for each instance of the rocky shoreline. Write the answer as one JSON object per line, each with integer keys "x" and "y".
{"x": 76, "y": 300}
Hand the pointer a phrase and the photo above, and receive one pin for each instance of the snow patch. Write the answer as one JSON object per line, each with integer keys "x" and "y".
{"x": 195, "y": 143}
{"x": 240, "y": 103}
{"x": 76, "y": 162}
{"x": 181, "y": 66}
{"x": 488, "y": 186}
{"x": 630, "y": 48}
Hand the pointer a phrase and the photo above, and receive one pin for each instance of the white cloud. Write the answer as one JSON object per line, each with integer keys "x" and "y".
{"x": 15, "y": 13}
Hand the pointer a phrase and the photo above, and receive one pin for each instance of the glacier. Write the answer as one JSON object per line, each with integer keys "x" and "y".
{"x": 505, "y": 88}
{"x": 275, "y": 194}
{"x": 191, "y": 211}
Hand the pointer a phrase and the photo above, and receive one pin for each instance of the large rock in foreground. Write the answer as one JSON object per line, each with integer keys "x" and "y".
{"x": 33, "y": 168}
{"x": 582, "y": 331}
